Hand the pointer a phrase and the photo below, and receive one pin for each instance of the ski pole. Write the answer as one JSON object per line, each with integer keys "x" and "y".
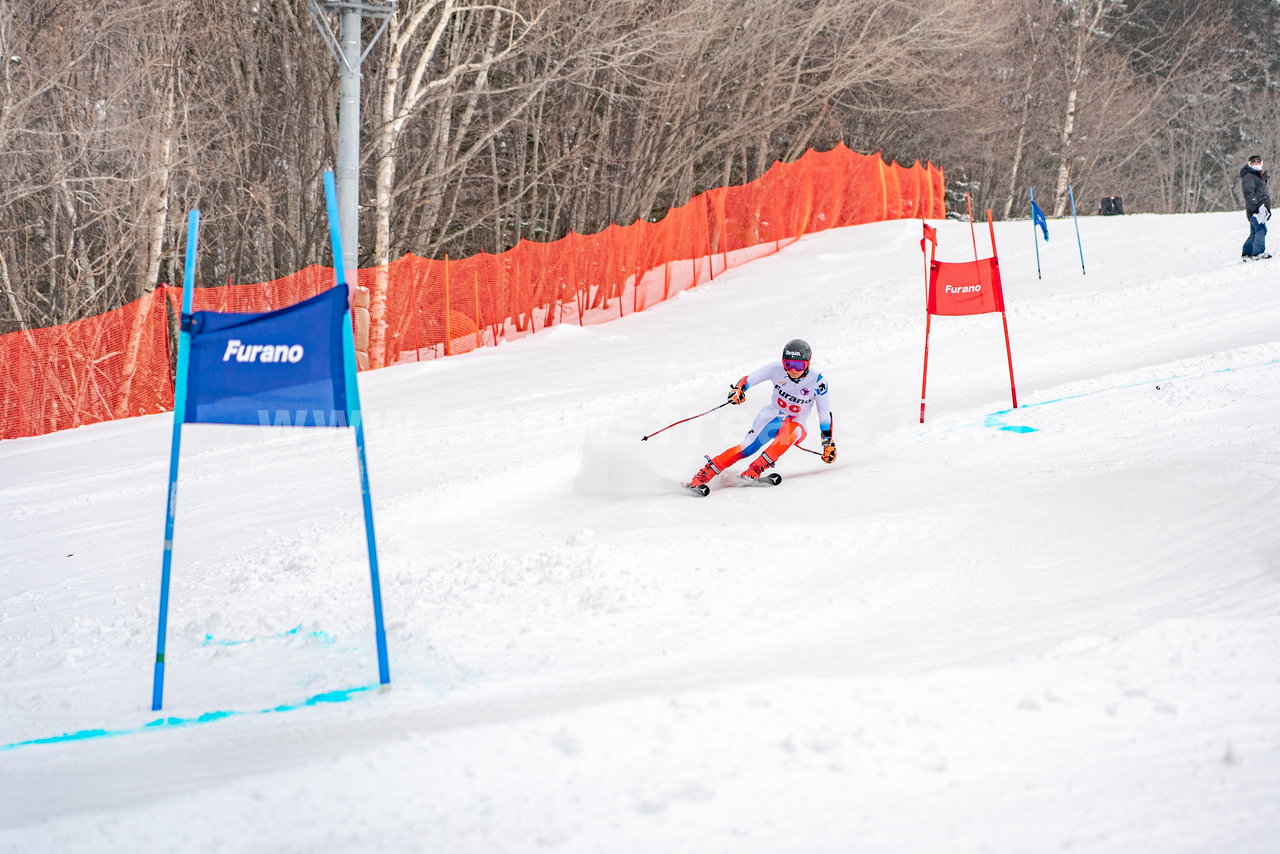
{"x": 682, "y": 420}
{"x": 804, "y": 434}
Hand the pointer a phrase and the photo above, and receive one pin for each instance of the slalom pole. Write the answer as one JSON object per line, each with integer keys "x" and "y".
{"x": 925, "y": 257}
{"x": 1034, "y": 241}
{"x": 355, "y": 418}
{"x": 179, "y": 414}
{"x": 928, "y": 315}
{"x": 1072, "y": 193}
{"x": 973, "y": 235}
{"x": 924, "y": 379}
{"x": 1008, "y": 349}
{"x": 682, "y": 420}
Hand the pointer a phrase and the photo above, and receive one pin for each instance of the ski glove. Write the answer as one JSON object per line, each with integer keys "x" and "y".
{"x": 1262, "y": 215}
{"x": 737, "y": 393}
{"x": 828, "y": 451}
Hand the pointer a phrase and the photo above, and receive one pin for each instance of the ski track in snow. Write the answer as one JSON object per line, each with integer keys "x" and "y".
{"x": 957, "y": 638}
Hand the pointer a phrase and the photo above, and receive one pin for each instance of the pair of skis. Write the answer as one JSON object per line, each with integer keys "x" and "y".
{"x": 701, "y": 489}
{"x": 772, "y": 478}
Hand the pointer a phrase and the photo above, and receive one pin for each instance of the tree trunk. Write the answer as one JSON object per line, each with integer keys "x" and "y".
{"x": 1084, "y": 38}
{"x": 157, "y": 206}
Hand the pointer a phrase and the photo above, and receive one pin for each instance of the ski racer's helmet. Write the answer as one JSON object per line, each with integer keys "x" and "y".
{"x": 797, "y": 349}
{"x": 796, "y": 355}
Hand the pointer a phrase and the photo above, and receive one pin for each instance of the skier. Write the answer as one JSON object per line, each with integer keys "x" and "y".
{"x": 1257, "y": 207}
{"x": 797, "y": 388}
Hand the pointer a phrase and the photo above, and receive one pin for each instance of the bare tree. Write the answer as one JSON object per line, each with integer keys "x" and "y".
{"x": 494, "y": 121}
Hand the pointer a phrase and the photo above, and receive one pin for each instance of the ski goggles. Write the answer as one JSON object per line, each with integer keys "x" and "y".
{"x": 795, "y": 365}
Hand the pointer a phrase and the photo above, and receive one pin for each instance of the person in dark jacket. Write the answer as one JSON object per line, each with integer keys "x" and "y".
{"x": 1257, "y": 206}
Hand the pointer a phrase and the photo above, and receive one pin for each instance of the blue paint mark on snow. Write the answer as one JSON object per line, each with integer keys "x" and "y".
{"x": 996, "y": 421}
{"x": 323, "y": 637}
{"x": 339, "y": 696}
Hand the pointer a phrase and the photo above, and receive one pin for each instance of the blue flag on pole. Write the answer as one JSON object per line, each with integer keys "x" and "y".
{"x": 1037, "y": 218}
{"x": 281, "y": 368}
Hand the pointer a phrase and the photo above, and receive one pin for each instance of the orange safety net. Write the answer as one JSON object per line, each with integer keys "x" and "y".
{"x": 117, "y": 364}
{"x": 422, "y": 308}
{"x": 112, "y": 365}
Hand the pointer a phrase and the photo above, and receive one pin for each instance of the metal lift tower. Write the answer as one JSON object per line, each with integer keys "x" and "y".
{"x": 346, "y": 49}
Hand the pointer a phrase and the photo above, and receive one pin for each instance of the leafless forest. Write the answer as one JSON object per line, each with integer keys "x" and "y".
{"x": 490, "y": 122}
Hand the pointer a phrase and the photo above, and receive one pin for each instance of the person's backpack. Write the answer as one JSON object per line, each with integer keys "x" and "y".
{"x": 1111, "y": 206}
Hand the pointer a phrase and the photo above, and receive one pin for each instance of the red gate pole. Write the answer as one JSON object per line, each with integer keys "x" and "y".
{"x": 1013, "y": 391}
{"x": 973, "y": 235}
{"x": 928, "y": 323}
{"x": 1008, "y": 349}
{"x": 925, "y": 258}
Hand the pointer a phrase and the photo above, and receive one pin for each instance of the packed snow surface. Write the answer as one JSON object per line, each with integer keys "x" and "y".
{"x": 1050, "y": 628}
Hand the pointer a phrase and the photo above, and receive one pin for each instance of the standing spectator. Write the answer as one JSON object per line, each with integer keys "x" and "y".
{"x": 1257, "y": 206}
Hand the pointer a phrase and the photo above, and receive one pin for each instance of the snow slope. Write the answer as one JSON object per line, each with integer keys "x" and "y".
{"x": 958, "y": 638}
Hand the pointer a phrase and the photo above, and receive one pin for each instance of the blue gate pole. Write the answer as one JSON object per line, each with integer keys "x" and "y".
{"x": 179, "y": 413}
{"x": 1071, "y": 191}
{"x": 1035, "y": 240}
{"x": 355, "y": 417}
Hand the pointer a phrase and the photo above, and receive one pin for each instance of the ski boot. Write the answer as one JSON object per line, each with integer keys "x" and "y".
{"x": 757, "y": 473}
{"x": 699, "y": 482}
